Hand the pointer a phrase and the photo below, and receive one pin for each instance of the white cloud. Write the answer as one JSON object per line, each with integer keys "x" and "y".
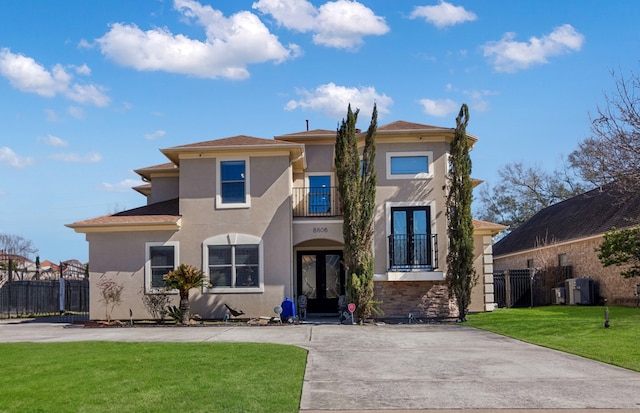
{"x": 332, "y": 100}
{"x": 91, "y": 157}
{"x": 155, "y": 135}
{"x": 52, "y": 116}
{"x": 84, "y": 44}
{"x": 508, "y": 55}
{"x": 339, "y": 24}
{"x": 231, "y": 44}
{"x": 478, "y": 99}
{"x": 83, "y": 70}
{"x": 299, "y": 15}
{"x": 122, "y": 186}
{"x": 76, "y": 112}
{"x": 53, "y": 141}
{"x": 27, "y": 75}
{"x": 10, "y": 157}
{"x": 439, "y": 108}
{"x": 443, "y": 15}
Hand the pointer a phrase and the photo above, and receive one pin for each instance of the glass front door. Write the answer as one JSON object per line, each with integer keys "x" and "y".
{"x": 321, "y": 279}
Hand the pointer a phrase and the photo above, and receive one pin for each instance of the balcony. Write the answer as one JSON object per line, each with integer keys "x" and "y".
{"x": 316, "y": 202}
{"x": 413, "y": 252}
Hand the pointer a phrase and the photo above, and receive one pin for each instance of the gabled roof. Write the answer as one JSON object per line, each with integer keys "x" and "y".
{"x": 163, "y": 215}
{"x": 234, "y": 143}
{"x": 586, "y": 215}
{"x": 404, "y": 125}
{"x": 239, "y": 140}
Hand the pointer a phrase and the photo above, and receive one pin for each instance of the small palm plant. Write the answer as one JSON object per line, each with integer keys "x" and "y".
{"x": 183, "y": 279}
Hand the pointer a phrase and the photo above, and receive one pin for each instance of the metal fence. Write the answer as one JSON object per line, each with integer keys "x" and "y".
{"x": 41, "y": 297}
{"x": 528, "y": 287}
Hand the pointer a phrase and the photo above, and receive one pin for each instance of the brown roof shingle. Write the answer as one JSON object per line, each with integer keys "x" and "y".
{"x": 591, "y": 213}
{"x": 239, "y": 140}
{"x": 159, "y": 212}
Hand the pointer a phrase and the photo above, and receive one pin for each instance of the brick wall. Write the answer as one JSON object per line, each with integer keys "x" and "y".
{"x": 583, "y": 257}
{"x": 424, "y": 299}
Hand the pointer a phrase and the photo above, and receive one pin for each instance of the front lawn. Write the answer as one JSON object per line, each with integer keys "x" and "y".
{"x": 150, "y": 377}
{"x": 573, "y": 329}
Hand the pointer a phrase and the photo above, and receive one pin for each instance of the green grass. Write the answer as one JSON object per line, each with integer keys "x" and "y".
{"x": 572, "y": 329}
{"x": 150, "y": 377}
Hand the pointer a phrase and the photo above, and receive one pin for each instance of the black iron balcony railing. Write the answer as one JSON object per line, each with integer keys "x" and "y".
{"x": 410, "y": 252}
{"x": 316, "y": 202}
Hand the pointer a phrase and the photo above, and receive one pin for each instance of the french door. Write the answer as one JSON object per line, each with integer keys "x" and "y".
{"x": 321, "y": 279}
{"x": 410, "y": 239}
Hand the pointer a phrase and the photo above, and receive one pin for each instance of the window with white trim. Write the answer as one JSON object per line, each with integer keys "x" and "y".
{"x": 161, "y": 258}
{"x": 409, "y": 165}
{"x": 232, "y": 185}
{"x": 233, "y": 263}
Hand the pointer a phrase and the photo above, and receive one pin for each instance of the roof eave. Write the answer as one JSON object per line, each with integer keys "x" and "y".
{"x": 161, "y": 225}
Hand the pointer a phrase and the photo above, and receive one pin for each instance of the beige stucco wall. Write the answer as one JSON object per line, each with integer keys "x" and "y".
{"x": 582, "y": 256}
{"x": 269, "y": 218}
{"x": 410, "y": 191}
{"x": 482, "y": 297}
{"x": 120, "y": 256}
{"x": 163, "y": 189}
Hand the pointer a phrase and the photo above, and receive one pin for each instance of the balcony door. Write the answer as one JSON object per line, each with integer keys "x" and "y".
{"x": 410, "y": 240}
{"x": 319, "y": 194}
{"x": 321, "y": 279}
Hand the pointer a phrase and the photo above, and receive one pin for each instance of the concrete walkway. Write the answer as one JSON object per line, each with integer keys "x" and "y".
{"x": 408, "y": 368}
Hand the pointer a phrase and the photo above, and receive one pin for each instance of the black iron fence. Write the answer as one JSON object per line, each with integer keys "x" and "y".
{"x": 42, "y": 297}
{"x": 413, "y": 252}
{"x": 316, "y": 202}
{"x": 528, "y": 287}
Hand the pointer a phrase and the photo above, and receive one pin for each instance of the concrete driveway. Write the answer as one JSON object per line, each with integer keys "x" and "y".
{"x": 403, "y": 367}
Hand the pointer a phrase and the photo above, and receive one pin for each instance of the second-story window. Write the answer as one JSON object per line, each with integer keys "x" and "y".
{"x": 233, "y": 183}
{"x": 409, "y": 165}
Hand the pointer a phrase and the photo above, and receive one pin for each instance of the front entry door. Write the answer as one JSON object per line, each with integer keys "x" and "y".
{"x": 321, "y": 279}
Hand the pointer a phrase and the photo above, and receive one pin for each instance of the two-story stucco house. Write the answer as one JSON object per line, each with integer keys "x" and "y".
{"x": 261, "y": 218}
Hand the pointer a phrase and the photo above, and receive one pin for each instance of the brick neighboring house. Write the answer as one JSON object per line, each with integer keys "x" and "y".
{"x": 568, "y": 233}
{"x": 261, "y": 218}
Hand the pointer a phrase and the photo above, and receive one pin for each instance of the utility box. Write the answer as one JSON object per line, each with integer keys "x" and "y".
{"x": 558, "y": 296}
{"x": 579, "y": 291}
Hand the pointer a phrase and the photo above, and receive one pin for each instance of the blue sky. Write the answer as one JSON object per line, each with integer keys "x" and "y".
{"x": 90, "y": 90}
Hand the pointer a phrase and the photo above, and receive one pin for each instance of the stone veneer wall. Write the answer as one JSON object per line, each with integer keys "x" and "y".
{"x": 582, "y": 255}
{"x": 424, "y": 299}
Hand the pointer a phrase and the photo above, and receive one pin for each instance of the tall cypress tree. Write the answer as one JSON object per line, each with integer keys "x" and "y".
{"x": 357, "y": 187}
{"x": 461, "y": 276}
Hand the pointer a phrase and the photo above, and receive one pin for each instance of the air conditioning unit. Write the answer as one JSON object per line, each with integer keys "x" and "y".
{"x": 558, "y": 295}
{"x": 579, "y": 291}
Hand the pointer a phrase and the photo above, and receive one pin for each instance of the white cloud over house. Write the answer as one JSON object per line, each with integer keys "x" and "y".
{"x": 340, "y": 24}
{"x": 439, "y": 107}
{"x": 231, "y": 44}
{"x": 443, "y": 15}
{"x": 27, "y": 75}
{"x": 508, "y": 55}
{"x": 332, "y": 100}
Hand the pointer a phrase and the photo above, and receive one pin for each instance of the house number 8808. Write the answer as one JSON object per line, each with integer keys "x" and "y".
{"x": 320, "y": 230}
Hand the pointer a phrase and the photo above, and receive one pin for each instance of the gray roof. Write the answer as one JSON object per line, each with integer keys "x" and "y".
{"x": 591, "y": 213}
